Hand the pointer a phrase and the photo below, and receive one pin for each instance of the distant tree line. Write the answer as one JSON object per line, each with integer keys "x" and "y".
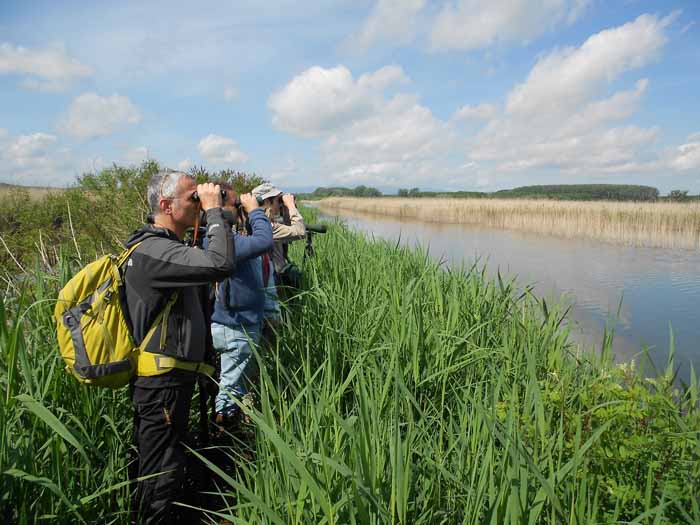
{"x": 586, "y": 192}
{"x": 680, "y": 196}
{"x": 615, "y": 192}
{"x": 579, "y": 192}
{"x": 415, "y": 192}
{"x": 339, "y": 191}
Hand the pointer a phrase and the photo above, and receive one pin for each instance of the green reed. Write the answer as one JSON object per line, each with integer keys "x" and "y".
{"x": 400, "y": 392}
{"x": 63, "y": 447}
{"x": 396, "y": 392}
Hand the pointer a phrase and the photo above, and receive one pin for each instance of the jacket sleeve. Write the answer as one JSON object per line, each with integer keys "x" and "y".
{"x": 170, "y": 264}
{"x": 292, "y": 232}
{"x": 259, "y": 242}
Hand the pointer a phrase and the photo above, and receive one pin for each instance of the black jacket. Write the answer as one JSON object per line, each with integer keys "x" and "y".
{"x": 162, "y": 265}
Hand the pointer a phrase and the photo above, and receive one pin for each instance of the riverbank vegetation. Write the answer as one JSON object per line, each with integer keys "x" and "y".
{"x": 33, "y": 192}
{"x": 396, "y": 392}
{"x": 657, "y": 224}
{"x": 566, "y": 192}
{"x": 91, "y": 217}
{"x": 582, "y": 192}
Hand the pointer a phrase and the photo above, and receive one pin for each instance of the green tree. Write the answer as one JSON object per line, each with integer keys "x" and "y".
{"x": 678, "y": 195}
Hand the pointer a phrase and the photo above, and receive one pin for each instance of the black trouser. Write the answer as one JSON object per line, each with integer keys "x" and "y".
{"x": 161, "y": 416}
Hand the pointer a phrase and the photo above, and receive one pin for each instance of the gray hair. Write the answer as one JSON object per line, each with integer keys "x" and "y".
{"x": 163, "y": 184}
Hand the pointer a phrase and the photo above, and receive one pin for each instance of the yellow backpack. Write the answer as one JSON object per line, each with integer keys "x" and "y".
{"x": 93, "y": 335}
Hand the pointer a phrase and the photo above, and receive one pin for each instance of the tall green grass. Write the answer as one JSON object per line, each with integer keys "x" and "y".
{"x": 63, "y": 447}
{"x": 402, "y": 393}
{"x": 397, "y": 392}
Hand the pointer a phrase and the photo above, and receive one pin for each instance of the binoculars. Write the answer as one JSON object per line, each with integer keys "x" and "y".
{"x": 224, "y": 193}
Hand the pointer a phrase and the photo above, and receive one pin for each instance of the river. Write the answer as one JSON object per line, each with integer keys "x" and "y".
{"x": 652, "y": 288}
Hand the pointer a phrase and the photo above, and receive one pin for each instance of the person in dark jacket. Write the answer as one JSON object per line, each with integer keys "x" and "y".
{"x": 162, "y": 270}
{"x": 238, "y": 308}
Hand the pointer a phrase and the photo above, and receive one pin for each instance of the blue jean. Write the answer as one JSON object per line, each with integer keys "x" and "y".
{"x": 235, "y": 345}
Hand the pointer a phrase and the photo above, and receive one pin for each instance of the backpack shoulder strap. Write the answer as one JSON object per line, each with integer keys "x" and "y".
{"x": 124, "y": 256}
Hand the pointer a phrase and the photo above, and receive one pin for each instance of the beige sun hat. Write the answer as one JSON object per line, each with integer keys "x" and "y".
{"x": 266, "y": 191}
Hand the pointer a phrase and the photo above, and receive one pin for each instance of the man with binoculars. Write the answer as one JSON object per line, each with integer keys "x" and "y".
{"x": 164, "y": 275}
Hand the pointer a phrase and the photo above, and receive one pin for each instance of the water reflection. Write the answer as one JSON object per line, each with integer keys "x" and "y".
{"x": 656, "y": 286}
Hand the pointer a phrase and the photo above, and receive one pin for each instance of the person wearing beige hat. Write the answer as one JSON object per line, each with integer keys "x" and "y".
{"x": 287, "y": 222}
{"x": 287, "y": 226}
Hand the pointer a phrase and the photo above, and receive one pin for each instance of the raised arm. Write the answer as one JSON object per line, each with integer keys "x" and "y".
{"x": 170, "y": 264}
{"x": 259, "y": 242}
{"x": 293, "y": 231}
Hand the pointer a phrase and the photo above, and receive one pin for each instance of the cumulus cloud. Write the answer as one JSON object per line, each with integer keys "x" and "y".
{"x": 221, "y": 150}
{"x": 564, "y": 79}
{"x": 34, "y": 159}
{"x": 91, "y": 115}
{"x": 26, "y": 147}
{"x": 554, "y": 120}
{"x": 185, "y": 165}
{"x": 399, "y": 143}
{"x": 687, "y": 156}
{"x": 478, "y": 112}
{"x": 389, "y": 22}
{"x": 46, "y": 69}
{"x": 475, "y": 24}
{"x": 320, "y": 101}
{"x": 136, "y": 155}
{"x": 369, "y": 134}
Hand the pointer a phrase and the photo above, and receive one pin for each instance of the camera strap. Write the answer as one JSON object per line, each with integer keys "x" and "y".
{"x": 196, "y": 225}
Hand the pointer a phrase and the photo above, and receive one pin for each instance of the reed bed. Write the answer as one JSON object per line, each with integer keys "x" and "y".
{"x": 396, "y": 392}
{"x": 653, "y": 224}
{"x": 403, "y": 393}
{"x": 35, "y": 193}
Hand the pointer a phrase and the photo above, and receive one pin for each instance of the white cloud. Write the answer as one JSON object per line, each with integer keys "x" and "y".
{"x": 285, "y": 172}
{"x": 93, "y": 165}
{"x": 369, "y": 135}
{"x": 619, "y": 106}
{"x": 136, "y": 155}
{"x": 554, "y": 120}
{"x": 687, "y": 156}
{"x": 564, "y": 79}
{"x": 185, "y": 165}
{"x": 230, "y": 93}
{"x": 479, "y": 112}
{"x": 221, "y": 150}
{"x": 475, "y": 24}
{"x": 390, "y": 21}
{"x": 34, "y": 159}
{"x": 47, "y": 69}
{"x": 91, "y": 115}
{"x": 319, "y": 101}
{"x": 400, "y": 143}
{"x": 26, "y": 147}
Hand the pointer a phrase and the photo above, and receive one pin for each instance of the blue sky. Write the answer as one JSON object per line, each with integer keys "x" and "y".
{"x": 464, "y": 94}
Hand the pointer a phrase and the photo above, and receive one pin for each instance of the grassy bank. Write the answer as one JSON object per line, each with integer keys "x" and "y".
{"x": 33, "y": 192}
{"x": 657, "y": 224}
{"x": 397, "y": 393}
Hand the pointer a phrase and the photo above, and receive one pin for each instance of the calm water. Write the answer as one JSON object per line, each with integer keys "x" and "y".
{"x": 657, "y": 287}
